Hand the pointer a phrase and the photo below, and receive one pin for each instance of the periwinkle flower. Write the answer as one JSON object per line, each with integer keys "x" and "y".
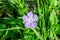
{"x": 30, "y": 20}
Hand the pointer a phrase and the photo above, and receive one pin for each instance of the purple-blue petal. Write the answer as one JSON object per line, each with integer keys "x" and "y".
{"x": 25, "y": 19}
{"x": 35, "y": 17}
{"x": 33, "y": 25}
{"x": 30, "y": 14}
{"x": 27, "y": 25}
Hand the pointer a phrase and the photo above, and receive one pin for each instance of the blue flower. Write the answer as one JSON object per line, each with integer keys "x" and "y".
{"x": 30, "y": 20}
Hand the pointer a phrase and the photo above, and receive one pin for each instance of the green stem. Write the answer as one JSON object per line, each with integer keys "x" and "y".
{"x": 55, "y": 36}
{"x": 14, "y": 28}
{"x": 38, "y": 4}
{"x": 54, "y": 33}
{"x": 5, "y": 34}
{"x": 37, "y": 33}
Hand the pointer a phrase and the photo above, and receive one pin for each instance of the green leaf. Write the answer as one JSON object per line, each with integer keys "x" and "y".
{"x": 2, "y": 26}
{"x": 53, "y": 2}
{"x": 53, "y": 18}
{"x": 58, "y": 29}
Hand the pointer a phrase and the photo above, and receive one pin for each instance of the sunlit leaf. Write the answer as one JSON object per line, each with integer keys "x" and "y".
{"x": 53, "y": 17}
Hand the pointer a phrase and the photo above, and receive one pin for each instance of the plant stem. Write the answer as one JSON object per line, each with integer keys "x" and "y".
{"x": 38, "y": 4}
{"x": 37, "y": 33}
{"x": 55, "y": 35}
{"x": 14, "y": 28}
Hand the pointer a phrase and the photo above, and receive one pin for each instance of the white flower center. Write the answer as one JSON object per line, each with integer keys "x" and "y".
{"x": 30, "y": 20}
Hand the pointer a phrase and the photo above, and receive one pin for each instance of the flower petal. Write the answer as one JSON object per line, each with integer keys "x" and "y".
{"x": 27, "y": 25}
{"x": 35, "y": 17}
{"x": 33, "y": 25}
{"x": 30, "y": 14}
{"x": 25, "y": 18}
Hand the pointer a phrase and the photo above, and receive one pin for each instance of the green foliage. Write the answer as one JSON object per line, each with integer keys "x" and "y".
{"x": 12, "y": 25}
{"x": 53, "y": 18}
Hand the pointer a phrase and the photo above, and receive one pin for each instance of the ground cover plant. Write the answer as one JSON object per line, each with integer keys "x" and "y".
{"x": 29, "y": 19}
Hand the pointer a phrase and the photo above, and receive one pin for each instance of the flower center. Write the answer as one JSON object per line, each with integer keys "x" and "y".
{"x": 30, "y": 20}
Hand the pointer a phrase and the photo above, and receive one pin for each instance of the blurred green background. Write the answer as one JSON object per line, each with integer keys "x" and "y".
{"x": 12, "y": 25}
